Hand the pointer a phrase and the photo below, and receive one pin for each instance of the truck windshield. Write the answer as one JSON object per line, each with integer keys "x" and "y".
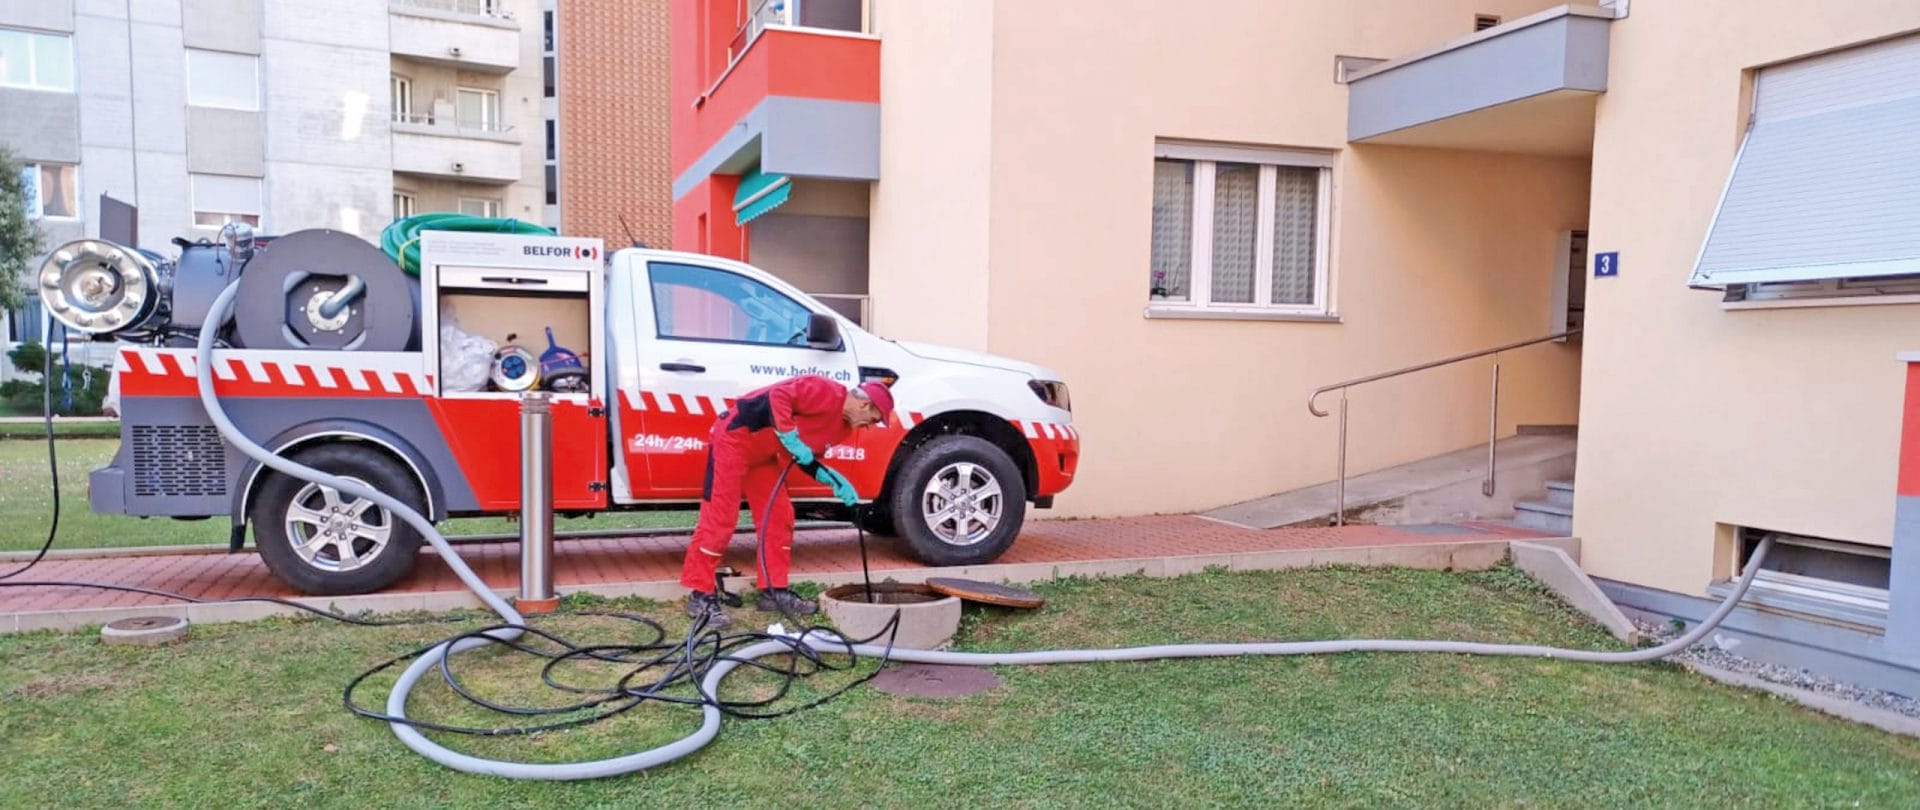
{"x": 703, "y": 303}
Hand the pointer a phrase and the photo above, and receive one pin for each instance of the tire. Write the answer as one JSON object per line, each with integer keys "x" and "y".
{"x": 290, "y": 517}
{"x": 992, "y": 522}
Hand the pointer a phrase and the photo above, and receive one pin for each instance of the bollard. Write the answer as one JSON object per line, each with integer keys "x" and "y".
{"x": 536, "y": 505}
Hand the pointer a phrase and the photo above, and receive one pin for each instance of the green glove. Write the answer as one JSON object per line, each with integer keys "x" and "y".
{"x": 801, "y": 452}
{"x": 842, "y": 488}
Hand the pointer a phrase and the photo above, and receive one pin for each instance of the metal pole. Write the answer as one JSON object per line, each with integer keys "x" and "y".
{"x": 1340, "y": 499}
{"x": 536, "y": 504}
{"x": 1493, "y": 430}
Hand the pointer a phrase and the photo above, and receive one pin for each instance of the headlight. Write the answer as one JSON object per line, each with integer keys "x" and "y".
{"x": 1052, "y": 392}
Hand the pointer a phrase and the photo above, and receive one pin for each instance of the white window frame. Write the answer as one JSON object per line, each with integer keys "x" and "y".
{"x": 402, "y": 89}
{"x": 257, "y": 214}
{"x": 404, "y": 204}
{"x": 34, "y": 40}
{"x": 491, "y": 207}
{"x": 253, "y": 61}
{"x": 489, "y": 109}
{"x": 1206, "y": 159}
{"x": 34, "y": 208}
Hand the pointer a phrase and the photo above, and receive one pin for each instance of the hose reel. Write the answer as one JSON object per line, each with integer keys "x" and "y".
{"x": 325, "y": 289}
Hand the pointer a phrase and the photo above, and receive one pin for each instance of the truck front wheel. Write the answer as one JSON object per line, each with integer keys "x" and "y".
{"x": 959, "y": 501}
{"x": 323, "y": 542}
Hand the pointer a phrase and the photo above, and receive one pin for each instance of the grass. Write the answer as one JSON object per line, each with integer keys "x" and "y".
{"x": 26, "y": 500}
{"x": 249, "y": 716}
{"x": 62, "y": 429}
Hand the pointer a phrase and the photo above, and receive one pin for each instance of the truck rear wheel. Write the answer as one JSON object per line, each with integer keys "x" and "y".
{"x": 959, "y": 500}
{"x": 325, "y": 543}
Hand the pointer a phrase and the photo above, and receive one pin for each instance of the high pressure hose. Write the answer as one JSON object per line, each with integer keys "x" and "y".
{"x": 818, "y": 640}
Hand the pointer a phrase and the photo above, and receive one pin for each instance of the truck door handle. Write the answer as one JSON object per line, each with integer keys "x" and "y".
{"x": 683, "y": 367}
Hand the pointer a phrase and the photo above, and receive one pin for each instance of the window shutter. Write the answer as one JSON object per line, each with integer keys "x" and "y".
{"x": 1824, "y": 185}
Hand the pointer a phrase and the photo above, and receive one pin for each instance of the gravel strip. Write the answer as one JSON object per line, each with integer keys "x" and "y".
{"x": 1707, "y": 654}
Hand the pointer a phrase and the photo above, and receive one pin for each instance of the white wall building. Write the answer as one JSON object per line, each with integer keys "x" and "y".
{"x": 280, "y": 113}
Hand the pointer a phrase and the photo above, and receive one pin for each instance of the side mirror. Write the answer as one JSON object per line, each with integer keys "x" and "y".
{"x": 823, "y": 332}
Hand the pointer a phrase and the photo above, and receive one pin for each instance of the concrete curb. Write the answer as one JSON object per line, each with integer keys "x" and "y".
{"x": 1558, "y": 570}
{"x": 1887, "y": 721}
{"x": 1456, "y": 556}
{"x": 458, "y": 540}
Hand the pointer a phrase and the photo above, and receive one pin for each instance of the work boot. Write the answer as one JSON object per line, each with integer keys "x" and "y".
{"x": 784, "y": 601}
{"x": 706, "y": 605}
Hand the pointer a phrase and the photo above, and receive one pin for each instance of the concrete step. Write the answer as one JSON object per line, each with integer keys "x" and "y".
{"x": 1547, "y": 517}
{"x": 1560, "y": 493}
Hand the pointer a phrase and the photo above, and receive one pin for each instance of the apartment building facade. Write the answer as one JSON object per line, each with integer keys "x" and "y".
{"x": 1200, "y": 215}
{"x": 277, "y": 113}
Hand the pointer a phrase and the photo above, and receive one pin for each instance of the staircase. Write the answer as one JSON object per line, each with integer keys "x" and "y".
{"x": 1554, "y": 514}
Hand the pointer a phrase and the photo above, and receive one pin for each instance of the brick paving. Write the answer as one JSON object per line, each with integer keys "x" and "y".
{"x": 625, "y": 561}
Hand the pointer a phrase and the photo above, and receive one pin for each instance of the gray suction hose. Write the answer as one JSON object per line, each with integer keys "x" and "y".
{"x": 819, "y": 640}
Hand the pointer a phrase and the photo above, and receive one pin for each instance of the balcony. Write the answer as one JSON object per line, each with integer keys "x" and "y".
{"x": 446, "y": 147}
{"x": 467, "y": 34}
{"x": 802, "y": 102}
{"x": 1528, "y": 86}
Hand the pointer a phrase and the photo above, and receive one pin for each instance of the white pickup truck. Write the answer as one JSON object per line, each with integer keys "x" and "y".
{"x": 666, "y": 340}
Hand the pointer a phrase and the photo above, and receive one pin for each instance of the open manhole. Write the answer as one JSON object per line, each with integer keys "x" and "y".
{"x": 935, "y": 681}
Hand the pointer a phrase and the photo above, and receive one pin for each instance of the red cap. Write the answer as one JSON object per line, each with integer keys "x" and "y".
{"x": 881, "y": 398}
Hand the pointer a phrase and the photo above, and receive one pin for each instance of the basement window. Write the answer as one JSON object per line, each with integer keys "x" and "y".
{"x": 1829, "y": 579}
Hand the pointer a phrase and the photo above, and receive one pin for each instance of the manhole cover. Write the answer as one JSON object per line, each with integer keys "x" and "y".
{"x": 935, "y": 681}
{"x": 144, "y": 630}
{"x": 993, "y": 594}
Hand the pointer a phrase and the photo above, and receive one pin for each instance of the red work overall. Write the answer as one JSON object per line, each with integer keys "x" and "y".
{"x": 744, "y": 454}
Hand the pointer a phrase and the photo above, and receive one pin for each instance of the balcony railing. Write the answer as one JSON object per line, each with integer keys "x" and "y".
{"x": 767, "y": 13}
{"x": 450, "y": 123}
{"x": 479, "y": 8}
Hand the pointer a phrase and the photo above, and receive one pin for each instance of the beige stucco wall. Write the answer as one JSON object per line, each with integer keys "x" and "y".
{"x": 1693, "y": 415}
{"x": 1434, "y": 252}
{"x": 928, "y": 250}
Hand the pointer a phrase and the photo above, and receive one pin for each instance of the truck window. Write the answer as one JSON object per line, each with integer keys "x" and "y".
{"x": 702, "y": 303}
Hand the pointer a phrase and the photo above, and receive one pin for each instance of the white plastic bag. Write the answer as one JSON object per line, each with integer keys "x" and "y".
{"x": 465, "y": 359}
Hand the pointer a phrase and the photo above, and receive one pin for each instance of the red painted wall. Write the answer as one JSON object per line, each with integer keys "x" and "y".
{"x": 779, "y": 63}
{"x": 1910, "y": 435}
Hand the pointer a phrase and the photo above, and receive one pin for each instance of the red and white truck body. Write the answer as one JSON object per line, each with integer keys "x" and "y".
{"x": 668, "y": 339}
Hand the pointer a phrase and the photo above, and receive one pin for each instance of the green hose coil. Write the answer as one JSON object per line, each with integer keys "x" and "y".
{"x": 401, "y": 240}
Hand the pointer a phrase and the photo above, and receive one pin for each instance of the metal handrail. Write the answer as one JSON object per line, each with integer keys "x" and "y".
{"x": 1493, "y": 410}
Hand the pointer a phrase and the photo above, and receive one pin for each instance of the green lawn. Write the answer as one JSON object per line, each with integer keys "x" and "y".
{"x": 26, "y": 501}
{"x": 249, "y": 716}
{"x": 64, "y": 429}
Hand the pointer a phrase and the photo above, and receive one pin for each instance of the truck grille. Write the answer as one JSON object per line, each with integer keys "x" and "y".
{"x": 178, "y": 461}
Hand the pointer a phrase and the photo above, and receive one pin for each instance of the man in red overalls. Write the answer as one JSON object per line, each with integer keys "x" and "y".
{"x": 791, "y": 420}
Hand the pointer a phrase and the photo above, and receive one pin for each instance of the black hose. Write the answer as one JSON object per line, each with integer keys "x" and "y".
{"x": 53, "y": 456}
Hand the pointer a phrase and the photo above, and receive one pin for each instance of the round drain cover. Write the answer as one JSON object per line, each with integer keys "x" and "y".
{"x": 990, "y": 593}
{"x": 935, "y": 681}
{"x": 146, "y": 631}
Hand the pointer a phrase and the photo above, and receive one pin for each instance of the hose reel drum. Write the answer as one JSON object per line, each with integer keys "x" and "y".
{"x": 288, "y": 292}
{"x": 98, "y": 287}
{"x": 313, "y": 289}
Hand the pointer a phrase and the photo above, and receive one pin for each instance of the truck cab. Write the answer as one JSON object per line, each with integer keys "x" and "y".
{"x": 666, "y": 341}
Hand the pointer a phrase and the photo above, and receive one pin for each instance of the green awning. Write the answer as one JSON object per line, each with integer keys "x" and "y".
{"x": 759, "y": 193}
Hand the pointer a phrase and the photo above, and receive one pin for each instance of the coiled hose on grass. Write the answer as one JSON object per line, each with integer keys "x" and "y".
{"x": 816, "y": 640}
{"x": 401, "y": 240}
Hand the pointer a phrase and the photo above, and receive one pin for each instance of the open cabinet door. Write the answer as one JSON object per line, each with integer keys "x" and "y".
{"x": 510, "y": 289}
